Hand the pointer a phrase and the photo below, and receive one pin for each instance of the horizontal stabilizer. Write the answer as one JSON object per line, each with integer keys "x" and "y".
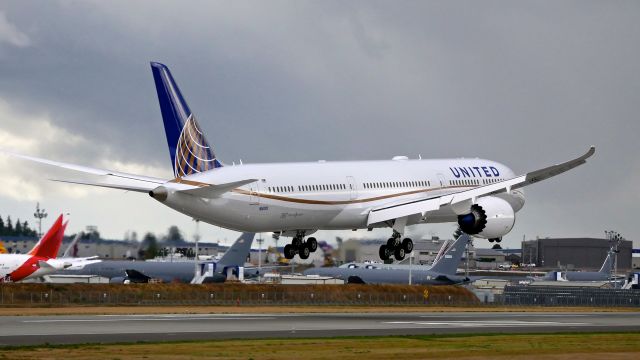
{"x": 45, "y": 265}
{"x": 107, "y": 178}
{"x": 114, "y": 183}
{"x": 214, "y": 191}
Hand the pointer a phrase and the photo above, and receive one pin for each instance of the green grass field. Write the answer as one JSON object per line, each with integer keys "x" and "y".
{"x": 608, "y": 346}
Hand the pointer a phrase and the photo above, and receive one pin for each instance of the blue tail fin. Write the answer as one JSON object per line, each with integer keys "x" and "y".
{"x": 189, "y": 149}
{"x": 238, "y": 252}
{"x": 448, "y": 263}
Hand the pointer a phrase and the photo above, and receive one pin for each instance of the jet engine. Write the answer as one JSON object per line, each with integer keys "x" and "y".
{"x": 490, "y": 218}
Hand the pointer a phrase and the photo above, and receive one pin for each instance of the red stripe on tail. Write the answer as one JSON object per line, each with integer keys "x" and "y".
{"x": 50, "y": 243}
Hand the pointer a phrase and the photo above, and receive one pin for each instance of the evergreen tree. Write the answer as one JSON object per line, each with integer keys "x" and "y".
{"x": 2, "y": 229}
{"x": 174, "y": 237}
{"x": 9, "y": 226}
{"x": 26, "y": 231}
{"x": 18, "y": 229}
{"x": 149, "y": 246}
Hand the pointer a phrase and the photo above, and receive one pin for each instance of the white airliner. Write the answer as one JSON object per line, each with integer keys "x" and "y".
{"x": 297, "y": 199}
{"x": 41, "y": 260}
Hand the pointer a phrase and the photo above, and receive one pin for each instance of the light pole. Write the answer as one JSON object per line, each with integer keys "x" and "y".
{"x": 260, "y": 241}
{"x": 410, "y": 265}
{"x": 196, "y": 237}
{"x": 614, "y": 240}
{"x": 39, "y": 215}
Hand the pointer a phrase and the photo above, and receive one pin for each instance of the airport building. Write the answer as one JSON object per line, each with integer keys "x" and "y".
{"x": 574, "y": 253}
{"x": 107, "y": 248}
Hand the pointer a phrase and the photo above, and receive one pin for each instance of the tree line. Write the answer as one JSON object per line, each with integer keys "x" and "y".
{"x": 19, "y": 228}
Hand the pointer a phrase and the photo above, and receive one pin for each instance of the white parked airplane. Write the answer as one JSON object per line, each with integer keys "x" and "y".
{"x": 41, "y": 260}
{"x": 297, "y": 199}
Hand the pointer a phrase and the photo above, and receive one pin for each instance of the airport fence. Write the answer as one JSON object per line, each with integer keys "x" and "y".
{"x": 168, "y": 294}
{"x": 568, "y": 296}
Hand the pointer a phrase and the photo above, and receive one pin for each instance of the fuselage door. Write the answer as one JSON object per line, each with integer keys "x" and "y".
{"x": 351, "y": 187}
{"x": 441, "y": 180}
{"x": 254, "y": 189}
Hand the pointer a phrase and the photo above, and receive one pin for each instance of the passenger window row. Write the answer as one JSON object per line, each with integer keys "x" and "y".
{"x": 323, "y": 187}
{"x": 396, "y": 184}
{"x": 464, "y": 182}
{"x": 467, "y": 182}
{"x": 491, "y": 181}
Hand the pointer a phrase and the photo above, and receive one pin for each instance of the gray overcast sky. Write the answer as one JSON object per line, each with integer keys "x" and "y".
{"x": 528, "y": 84}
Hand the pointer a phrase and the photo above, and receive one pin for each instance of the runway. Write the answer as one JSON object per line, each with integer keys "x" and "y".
{"x": 31, "y": 330}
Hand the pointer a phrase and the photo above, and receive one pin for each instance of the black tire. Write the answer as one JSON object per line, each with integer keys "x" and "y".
{"x": 296, "y": 242}
{"x": 289, "y": 251}
{"x": 407, "y": 245}
{"x": 490, "y": 240}
{"x": 399, "y": 253}
{"x": 391, "y": 243}
{"x": 304, "y": 252}
{"x": 312, "y": 243}
{"x": 384, "y": 252}
{"x": 498, "y": 240}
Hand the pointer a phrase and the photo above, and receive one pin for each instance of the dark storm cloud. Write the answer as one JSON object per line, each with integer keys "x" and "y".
{"x": 525, "y": 83}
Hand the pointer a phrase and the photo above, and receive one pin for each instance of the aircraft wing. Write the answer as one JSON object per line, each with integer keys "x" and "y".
{"x": 79, "y": 263}
{"x": 107, "y": 178}
{"x": 407, "y": 208}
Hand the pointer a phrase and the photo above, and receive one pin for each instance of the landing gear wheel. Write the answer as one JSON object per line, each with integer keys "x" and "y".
{"x": 384, "y": 253}
{"x": 312, "y": 243}
{"x": 391, "y": 243}
{"x": 304, "y": 252}
{"x": 491, "y": 240}
{"x": 498, "y": 240}
{"x": 407, "y": 245}
{"x": 399, "y": 253}
{"x": 289, "y": 251}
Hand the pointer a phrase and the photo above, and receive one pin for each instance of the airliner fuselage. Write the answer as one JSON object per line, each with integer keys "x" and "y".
{"x": 332, "y": 195}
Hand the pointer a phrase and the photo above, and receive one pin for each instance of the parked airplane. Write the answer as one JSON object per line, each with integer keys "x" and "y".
{"x": 41, "y": 260}
{"x": 377, "y": 265}
{"x": 119, "y": 271}
{"x": 442, "y": 272}
{"x": 603, "y": 274}
{"x": 297, "y": 199}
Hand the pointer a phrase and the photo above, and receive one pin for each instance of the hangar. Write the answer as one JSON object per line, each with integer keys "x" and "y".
{"x": 574, "y": 253}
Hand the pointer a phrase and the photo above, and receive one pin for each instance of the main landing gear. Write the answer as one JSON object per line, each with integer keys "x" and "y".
{"x": 396, "y": 248}
{"x": 300, "y": 247}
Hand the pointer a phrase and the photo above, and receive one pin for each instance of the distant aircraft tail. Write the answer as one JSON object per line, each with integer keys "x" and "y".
{"x": 72, "y": 249}
{"x": 49, "y": 244}
{"x": 238, "y": 252}
{"x": 607, "y": 264}
{"x": 3, "y": 250}
{"x": 448, "y": 263}
{"x": 189, "y": 149}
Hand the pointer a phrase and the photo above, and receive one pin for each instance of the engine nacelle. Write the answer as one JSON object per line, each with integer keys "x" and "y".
{"x": 490, "y": 217}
